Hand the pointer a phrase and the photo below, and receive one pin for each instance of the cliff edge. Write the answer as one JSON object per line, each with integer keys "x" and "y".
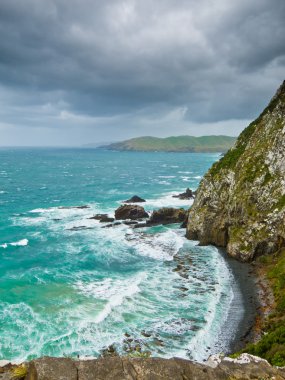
{"x": 240, "y": 203}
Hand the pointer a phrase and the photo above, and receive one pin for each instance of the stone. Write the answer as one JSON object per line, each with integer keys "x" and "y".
{"x": 135, "y": 199}
{"x": 167, "y": 215}
{"x": 188, "y": 194}
{"x": 130, "y": 212}
{"x": 48, "y": 368}
{"x": 103, "y": 218}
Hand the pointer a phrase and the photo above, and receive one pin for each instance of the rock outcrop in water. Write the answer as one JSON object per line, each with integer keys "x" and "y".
{"x": 135, "y": 199}
{"x": 130, "y": 212}
{"x": 123, "y": 368}
{"x": 167, "y": 215}
{"x": 240, "y": 203}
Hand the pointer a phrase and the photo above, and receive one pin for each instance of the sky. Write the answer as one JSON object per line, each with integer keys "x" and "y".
{"x": 74, "y": 72}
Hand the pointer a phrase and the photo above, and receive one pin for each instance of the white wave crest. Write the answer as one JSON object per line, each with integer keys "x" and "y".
{"x": 20, "y": 243}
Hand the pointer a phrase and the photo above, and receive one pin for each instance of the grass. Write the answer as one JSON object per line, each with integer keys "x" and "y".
{"x": 19, "y": 372}
{"x": 272, "y": 344}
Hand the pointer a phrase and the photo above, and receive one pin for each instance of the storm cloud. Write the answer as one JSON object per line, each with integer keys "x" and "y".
{"x": 74, "y": 72}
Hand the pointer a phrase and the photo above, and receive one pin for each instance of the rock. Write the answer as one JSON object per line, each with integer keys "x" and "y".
{"x": 135, "y": 199}
{"x": 103, "y": 218}
{"x": 188, "y": 194}
{"x": 109, "y": 351}
{"x": 79, "y": 228}
{"x": 3, "y": 363}
{"x": 130, "y": 212}
{"x": 130, "y": 223}
{"x": 185, "y": 221}
{"x": 141, "y": 225}
{"x": 71, "y": 207}
{"x": 107, "y": 219}
{"x": 127, "y": 368}
{"x": 111, "y": 225}
{"x": 48, "y": 368}
{"x": 240, "y": 202}
{"x": 167, "y": 215}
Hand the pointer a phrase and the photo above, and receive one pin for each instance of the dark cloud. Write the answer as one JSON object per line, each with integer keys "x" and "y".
{"x": 131, "y": 66}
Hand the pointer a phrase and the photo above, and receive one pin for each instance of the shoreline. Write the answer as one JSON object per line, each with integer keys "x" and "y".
{"x": 237, "y": 330}
{"x": 252, "y": 293}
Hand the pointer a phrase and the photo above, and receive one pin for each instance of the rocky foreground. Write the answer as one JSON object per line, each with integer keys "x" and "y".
{"x": 125, "y": 368}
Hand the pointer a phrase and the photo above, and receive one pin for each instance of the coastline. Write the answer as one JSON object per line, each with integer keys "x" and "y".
{"x": 237, "y": 330}
{"x": 253, "y": 300}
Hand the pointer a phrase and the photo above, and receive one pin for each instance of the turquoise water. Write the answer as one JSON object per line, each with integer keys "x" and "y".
{"x": 66, "y": 291}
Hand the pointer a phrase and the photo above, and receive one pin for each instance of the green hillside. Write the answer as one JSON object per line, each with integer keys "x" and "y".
{"x": 175, "y": 144}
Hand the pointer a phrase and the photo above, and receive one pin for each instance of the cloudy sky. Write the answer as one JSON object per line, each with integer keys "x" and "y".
{"x": 74, "y": 72}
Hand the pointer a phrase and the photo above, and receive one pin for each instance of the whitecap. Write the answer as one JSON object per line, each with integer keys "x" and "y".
{"x": 168, "y": 200}
{"x": 161, "y": 246}
{"x": 20, "y": 243}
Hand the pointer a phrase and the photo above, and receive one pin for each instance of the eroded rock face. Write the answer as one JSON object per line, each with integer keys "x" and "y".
{"x": 123, "y": 368}
{"x": 130, "y": 212}
{"x": 240, "y": 203}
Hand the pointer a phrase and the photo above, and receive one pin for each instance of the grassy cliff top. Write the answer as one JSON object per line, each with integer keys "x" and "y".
{"x": 176, "y": 144}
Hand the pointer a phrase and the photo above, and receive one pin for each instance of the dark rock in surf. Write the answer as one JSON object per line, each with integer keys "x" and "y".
{"x": 130, "y": 212}
{"x": 167, "y": 215}
{"x": 135, "y": 199}
{"x": 103, "y": 218}
{"x": 188, "y": 194}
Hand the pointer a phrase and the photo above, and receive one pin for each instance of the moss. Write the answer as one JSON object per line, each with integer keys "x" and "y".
{"x": 281, "y": 203}
{"x": 267, "y": 178}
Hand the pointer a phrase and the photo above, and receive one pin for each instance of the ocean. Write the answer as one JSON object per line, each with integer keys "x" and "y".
{"x": 69, "y": 287}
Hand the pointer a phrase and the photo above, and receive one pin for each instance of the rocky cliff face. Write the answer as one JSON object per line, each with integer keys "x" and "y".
{"x": 240, "y": 203}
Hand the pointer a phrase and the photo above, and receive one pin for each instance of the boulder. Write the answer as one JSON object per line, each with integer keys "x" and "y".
{"x": 135, "y": 199}
{"x": 188, "y": 194}
{"x": 130, "y": 212}
{"x": 167, "y": 215}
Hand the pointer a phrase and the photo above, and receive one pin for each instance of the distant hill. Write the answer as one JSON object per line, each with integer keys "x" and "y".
{"x": 175, "y": 144}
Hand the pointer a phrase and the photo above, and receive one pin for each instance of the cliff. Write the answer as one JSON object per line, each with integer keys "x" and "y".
{"x": 240, "y": 203}
{"x": 175, "y": 144}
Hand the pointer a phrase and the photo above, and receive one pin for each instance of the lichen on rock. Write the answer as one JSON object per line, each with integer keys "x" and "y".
{"x": 240, "y": 203}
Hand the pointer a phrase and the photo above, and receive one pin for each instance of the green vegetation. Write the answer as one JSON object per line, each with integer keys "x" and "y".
{"x": 281, "y": 203}
{"x": 19, "y": 372}
{"x": 272, "y": 344}
{"x": 232, "y": 156}
{"x": 140, "y": 354}
{"x": 176, "y": 144}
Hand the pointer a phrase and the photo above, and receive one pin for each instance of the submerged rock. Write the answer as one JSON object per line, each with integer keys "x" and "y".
{"x": 135, "y": 199}
{"x": 240, "y": 203}
{"x": 130, "y": 212}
